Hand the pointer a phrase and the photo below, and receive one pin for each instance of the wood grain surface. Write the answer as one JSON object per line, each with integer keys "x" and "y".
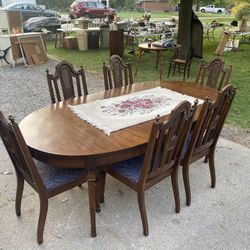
{"x": 57, "y": 136}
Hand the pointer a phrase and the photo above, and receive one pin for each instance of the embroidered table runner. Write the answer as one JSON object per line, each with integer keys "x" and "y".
{"x": 124, "y": 111}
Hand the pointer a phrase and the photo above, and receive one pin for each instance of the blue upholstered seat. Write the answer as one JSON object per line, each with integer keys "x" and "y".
{"x": 54, "y": 177}
{"x": 130, "y": 168}
{"x": 185, "y": 148}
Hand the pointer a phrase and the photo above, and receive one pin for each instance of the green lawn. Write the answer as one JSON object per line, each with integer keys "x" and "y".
{"x": 240, "y": 112}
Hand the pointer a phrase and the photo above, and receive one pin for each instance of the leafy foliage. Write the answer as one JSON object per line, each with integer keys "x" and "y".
{"x": 241, "y": 9}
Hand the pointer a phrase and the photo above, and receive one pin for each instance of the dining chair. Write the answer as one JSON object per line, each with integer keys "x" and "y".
{"x": 214, "y": 74}
{"x": 117, "y": 74}
{"x": 204, "y": 136}
{"x": 45, "y": 179}
{"x": 161, "y": 159}
{"x": 182, "y": 64}
{"x": 66, "y": 82}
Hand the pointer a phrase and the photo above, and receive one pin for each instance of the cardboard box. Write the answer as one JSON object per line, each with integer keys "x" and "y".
{"x": 83, "y": 24}
{"x": 70, "y": 42}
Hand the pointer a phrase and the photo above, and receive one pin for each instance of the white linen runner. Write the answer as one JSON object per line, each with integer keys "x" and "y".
{"x": 120, "y": 112}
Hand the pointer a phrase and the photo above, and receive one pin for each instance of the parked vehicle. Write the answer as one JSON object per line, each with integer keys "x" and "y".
{"x": 212, "y": 9}
{"x": 89, "y": 9}
{"x": 30, "y": 10}
{"x": 38, "y": 23}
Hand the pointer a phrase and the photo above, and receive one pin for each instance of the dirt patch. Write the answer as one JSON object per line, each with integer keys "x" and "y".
{"x": 236, "y": 134}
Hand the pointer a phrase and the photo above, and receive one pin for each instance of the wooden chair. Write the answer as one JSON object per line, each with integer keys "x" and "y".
{"x": 161, "y": 159}
{"x": 183, "y": 65}
{"x": 117, "y": 74}
{"x": 214, "y": 74}
{"x": 45, "y": 179}
{"x": 71, "y": 82}
{"x": 203, "y": 138}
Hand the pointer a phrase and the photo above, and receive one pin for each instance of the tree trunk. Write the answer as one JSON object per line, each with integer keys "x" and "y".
{"x": 185, "y": 26}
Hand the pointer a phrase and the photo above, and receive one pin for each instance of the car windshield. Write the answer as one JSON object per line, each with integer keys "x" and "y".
{"x": 91, "y": 4}
{"x": 100, "y": 5}
{"x": 19, "y": 7}
{"x": 34, "y": 7}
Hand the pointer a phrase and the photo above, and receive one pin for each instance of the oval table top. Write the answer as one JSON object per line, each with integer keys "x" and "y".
{"x": 57, "y": 136}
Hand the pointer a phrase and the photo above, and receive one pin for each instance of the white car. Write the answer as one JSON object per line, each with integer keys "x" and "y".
{"x": 212, "y": 9}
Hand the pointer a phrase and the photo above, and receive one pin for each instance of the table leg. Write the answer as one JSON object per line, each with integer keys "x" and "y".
{"x": 91, "y": 178}
{"x": 157, "y": 60}
{"x": 138, "y": 62}
{"x": 161, "y": 62}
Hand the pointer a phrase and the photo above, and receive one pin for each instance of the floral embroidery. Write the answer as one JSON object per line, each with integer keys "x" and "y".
{"x": 136, "y": 105}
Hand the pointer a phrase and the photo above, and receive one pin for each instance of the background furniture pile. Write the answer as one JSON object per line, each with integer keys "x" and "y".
{"x": 31, "y": 46}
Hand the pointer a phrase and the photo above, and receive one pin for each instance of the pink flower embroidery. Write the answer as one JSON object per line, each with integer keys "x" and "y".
{"x": 136, "y": 105}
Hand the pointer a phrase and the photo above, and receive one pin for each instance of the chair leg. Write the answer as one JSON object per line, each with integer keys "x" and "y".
{"x": 102, "y": 185}
{"x": 185, "y": 174}
{"x": 142, "y": 208}
{"x": 169, "y": 69}
{"x": 42, "y": 218}
{"x": 97, "y": 193}
{"x": 174, "y": 179}
{"x": 188, "y": 70}
{"x": 19, "y": 194}
{"x": 212, "y": 169}
{"x": 174, "y": 69}
{"x": 184, "y": 73}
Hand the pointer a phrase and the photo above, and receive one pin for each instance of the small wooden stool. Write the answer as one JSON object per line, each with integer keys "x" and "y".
{"x": 59, "y": 39}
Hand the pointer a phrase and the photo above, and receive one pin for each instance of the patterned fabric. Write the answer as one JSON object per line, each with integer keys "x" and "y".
{"x": 136, "y": 105}
{"x": 120, "y": 112}
{"x": 130, "y": 168}
{"x": 54, "y": 177}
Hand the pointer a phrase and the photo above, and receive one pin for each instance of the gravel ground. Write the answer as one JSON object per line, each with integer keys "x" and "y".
{"x": 24, "y": 90}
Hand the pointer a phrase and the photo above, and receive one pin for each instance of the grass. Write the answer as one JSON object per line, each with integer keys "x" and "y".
{"x": 240, "y": 111}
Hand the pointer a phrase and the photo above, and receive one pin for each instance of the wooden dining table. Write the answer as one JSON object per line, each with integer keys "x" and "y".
{"x": 57, "y": 136}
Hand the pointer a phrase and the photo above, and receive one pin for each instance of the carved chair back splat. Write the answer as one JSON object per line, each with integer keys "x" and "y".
{"x": 66, "y": 83}
{"x": 117, "y": 74}
{"x": 214, "y": 74}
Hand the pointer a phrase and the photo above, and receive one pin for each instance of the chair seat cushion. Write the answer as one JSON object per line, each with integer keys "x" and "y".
{"x": 54, "y": 177}
{"x": 131, "y": 168}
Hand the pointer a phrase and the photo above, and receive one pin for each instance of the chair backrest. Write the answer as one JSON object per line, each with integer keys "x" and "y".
{"x": 117, "y": 74}
{"x": 190, "y": 55}
{"x": 209, "y": 124}
{"x": 71, "y": 82}
{"x": 19, "y": 153}
{"x": 214, "y": 74}
{"x": 166, "y": 142}
{"x": 187, "y": 57}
